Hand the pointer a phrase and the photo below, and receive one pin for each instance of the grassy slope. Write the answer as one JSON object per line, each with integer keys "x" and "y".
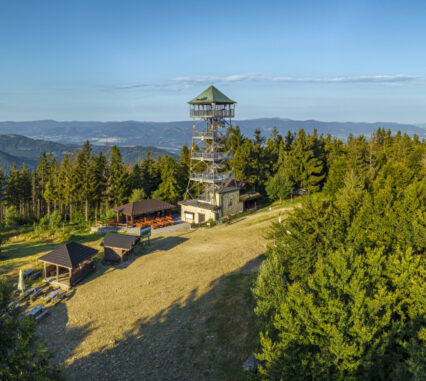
{"x": 183, "y": 310}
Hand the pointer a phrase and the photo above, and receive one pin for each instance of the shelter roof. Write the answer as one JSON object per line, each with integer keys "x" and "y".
{"x": 69, "y": 255}
{"x": 211, "y": 95}
{"x": 120, "y": 241}
{"x": 143, "y": 207}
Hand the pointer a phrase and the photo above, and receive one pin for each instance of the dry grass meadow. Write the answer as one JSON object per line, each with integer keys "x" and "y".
{"x": 180, "y": 310}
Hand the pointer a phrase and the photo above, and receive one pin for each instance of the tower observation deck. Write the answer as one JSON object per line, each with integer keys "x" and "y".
{"x": 211, "y": 112}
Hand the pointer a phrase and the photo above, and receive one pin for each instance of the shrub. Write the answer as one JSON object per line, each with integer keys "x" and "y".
{"x": 11, "y": 216}
{"x": 54, "y": 220}
{"x": 137, "y": 195}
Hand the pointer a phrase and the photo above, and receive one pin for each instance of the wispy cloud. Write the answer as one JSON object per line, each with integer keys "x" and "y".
{"x": 180, "y": 83}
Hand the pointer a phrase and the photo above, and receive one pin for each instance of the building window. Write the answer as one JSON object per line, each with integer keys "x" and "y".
{"x": 189, "y": 216}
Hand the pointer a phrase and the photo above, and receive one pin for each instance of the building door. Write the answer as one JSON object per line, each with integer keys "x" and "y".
{"x": 201, "y": 217}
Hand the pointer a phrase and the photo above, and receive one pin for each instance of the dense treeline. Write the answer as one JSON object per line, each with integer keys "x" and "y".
{"x": 85, "y": 186}
{"x": 341, "y": 294}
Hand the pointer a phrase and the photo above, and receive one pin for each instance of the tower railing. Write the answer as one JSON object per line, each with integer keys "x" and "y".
{"x": 208, "y": 135}
{"x": 211, "y": 113}
{"x": 209, "y": 156}
{"x": 206, "y": 177}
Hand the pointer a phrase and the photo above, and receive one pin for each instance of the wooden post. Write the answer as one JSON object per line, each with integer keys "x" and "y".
{"x": 44, "y": 270}
{"x": 70, "y": 277}
{"x": 133, "y": 220}
{"x": 118, "y": 217}
{"x": 57, "y": 273}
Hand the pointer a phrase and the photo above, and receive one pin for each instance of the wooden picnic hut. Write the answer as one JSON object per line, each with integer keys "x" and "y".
{"x": 144, "y": 213}
{"x": 118, "y": 247}
{"x": 68, "y": 264}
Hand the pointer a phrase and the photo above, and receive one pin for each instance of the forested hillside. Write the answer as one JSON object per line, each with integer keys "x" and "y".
{"x": 341, "y": 295}
{"x": 18, "y": 149}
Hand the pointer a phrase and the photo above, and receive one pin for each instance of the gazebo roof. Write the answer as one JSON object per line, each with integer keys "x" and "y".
{"x": 143, "y": 207}
{"x": 120, "y": 241}
{"x": 69, "y": 255}
{"x": 211, "y": 95}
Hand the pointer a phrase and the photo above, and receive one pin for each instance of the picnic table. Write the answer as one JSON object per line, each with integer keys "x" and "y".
{"x": 36, "y": 292}
{"x": 35, "y": 275}
{"x": 27, "y": 292}
{"x": 28, "y": 273}
{"x": 38, "y": 312}
{"x": 59, "y": 297}
{"x": 35, "y": 310}
{"x": 52, "y": 294}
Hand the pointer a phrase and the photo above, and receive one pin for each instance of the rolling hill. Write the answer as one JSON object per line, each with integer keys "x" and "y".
{"x": 18, "y": 149}
{"x": 172, "y": 135}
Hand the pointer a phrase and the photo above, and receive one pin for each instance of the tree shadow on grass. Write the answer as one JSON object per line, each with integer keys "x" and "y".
{"x": 199, "y": 337}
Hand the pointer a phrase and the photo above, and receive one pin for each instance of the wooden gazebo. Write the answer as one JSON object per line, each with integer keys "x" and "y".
{"x": 67, "y": 264}
{"x": 144, "y": 213}
{"x": 118, "y": 247}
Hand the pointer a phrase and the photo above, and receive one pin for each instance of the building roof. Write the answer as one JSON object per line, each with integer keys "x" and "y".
{"x": 211, "y": 95}
{"x": 198, "y": 204}
{"x": 120, "y": 241}
{"x": 229, "y": 189}
{"x": 250, "y": 196}
{"x": 143, "y": 207}
{"x": 237, "y": 183}
{"x": 69, "y": 255}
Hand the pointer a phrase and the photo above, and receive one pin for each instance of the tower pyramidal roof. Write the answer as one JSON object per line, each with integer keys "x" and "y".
{"x": 211, "y": 95}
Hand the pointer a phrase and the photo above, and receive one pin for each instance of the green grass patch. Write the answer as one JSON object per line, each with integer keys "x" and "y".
{"x": 22, "y": 247}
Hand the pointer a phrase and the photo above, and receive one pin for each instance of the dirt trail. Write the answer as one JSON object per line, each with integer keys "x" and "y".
{"x": 147, "y": 318}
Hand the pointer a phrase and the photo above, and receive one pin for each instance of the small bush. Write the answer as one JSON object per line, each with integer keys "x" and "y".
{"x": 55, "y": 220}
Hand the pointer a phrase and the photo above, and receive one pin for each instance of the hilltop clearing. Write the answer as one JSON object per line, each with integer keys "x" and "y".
{"x": 181, "y": 310}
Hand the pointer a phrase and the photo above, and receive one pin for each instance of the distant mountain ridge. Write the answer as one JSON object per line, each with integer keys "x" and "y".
{"x": 172, "y": 135}
{"x": 18, "y": 149}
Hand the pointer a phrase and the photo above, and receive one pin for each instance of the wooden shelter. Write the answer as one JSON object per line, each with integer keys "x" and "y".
{"x": 118, "y": 247}
{"x": 68, "y": 264}
{"x": 146, "y": 211}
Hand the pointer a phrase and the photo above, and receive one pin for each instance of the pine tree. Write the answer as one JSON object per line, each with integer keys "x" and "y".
{"x": 279, "y": 187}
{"x": 82, "y": 177}
{"x": 169, "y": 189}
{"x": 22, "y": 356}
{"x": 350, "y": 320}
{"x": 66, "y": 184}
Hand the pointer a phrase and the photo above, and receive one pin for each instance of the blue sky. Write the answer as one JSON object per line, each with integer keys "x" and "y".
{"x": 121, "y": 60}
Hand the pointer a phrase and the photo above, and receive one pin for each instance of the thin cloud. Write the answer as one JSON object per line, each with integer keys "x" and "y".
{"x": 180, "y": 83}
